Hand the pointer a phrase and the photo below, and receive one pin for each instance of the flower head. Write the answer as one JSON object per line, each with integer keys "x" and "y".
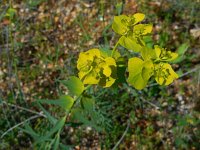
{"x": 131, "y": 32}
{"x": 164, "y": 74}
{"x": 94, "y": 68}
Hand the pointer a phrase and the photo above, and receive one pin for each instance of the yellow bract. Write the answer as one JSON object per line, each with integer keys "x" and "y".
{"x": 142, "y": 29}
{"x": 154, "y": 64}
{"x": 139, "y": 72}
{"x": 164, "y": 74}
{"x": 95, "y": 68}
{"x": 99, "y": 66}
{"x": 131, "y": 32}
{"x": 122, "y": 24}
{"x": 138, "y": 17}
{"x": 163, "y": 55}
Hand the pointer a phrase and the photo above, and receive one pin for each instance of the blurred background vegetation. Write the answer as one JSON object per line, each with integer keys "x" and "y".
{"x": 39, "y": 44}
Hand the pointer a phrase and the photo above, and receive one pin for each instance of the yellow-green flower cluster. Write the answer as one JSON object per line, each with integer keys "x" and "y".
{"x": 95, "y": 68}
{"x": 131, "y": 32}
{"x": 154, "y": 63}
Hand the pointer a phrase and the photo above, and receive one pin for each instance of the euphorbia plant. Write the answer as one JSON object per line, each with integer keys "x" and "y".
{"x": 97, "y": 68}
{"x": 103, "y": 67}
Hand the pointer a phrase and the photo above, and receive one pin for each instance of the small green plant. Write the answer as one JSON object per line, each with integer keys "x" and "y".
{"x": 104, "y": 68}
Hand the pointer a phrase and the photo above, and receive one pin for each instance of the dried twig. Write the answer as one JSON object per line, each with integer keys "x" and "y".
{"x": 120, "y": 140}
{"x": 21, "y": 123}
{"x": 152, "y": 104}
{"x": 25, "y": 109}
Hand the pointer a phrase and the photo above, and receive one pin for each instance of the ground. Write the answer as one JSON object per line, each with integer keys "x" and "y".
{"x": 39, "y": 45}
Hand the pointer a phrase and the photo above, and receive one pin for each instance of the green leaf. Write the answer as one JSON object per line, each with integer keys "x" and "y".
{"x": 183, "y": 48}
{"x": 49, "y": 116}
{"x": 30, "y": 131}
{"x": 58, "y": 126}
{"x": 78, "y": 114}
{"x": 75, "y": 85}
{"x": 11, "y": 13}
{"x": 149, "y": 41}
{"x": 181, "y": 51}
{"x": 35, "y": 3}
{"x": 57, "y": 142}
{"x": 121, "y": 70}
{"x": 130, "y": 44}
{"x": 82, "y": 116}
{"x": 88, "y": 103}
{"x": 65, "y": 101}
{"x": 119, "y": 8}
{"x": 108, "y": 53}
{"x": 66, "y": 147}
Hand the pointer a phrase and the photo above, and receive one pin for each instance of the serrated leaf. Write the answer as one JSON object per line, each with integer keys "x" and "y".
{"x": 75, "y": 85}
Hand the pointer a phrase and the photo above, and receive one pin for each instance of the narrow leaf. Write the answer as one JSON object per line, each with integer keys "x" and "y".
{"x": 49, "y": 116}
{"x": 57, "y": 127}
{"x": 57, "y": 141}
{"x": 64, "y": 101}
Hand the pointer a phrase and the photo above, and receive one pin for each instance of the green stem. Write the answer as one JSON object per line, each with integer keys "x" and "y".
{"x": 76, "y": 99}
{"x": 114, "y": 49}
